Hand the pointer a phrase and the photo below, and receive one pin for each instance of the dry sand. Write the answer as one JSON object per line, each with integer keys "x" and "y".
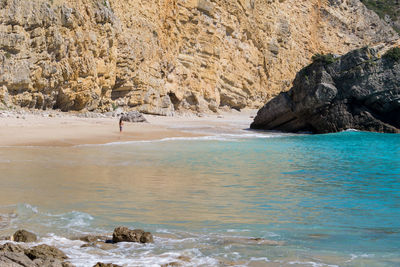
{"x": 68, "y": 130}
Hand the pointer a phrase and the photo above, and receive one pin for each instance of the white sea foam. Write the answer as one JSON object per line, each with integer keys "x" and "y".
{"x": 31, "y": 208}
{"x": 311, "y": 263}
{"x": 351, "y": 130}
{"x": 217, "y": 137}
{"x": 259, "y": 259}
{"x": 355, "y": 256}
{"x": 237, "y": 230}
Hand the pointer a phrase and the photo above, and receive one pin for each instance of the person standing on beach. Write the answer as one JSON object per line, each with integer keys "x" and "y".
{"x": 120, "y": 125}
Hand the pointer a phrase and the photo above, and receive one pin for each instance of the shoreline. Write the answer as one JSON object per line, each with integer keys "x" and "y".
{"x": 53, "y": 128}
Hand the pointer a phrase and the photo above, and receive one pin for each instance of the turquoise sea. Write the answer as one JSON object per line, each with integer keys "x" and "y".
{"x": 250, "y": 200}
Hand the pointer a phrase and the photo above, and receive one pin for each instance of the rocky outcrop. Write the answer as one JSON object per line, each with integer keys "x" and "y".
{"x": 24, "y": 236}
{"x": 158, "y": 57}
{"x": 45, "y": 252}
{"x": 133, "y": 116}
{"x": 357, "y": 91}
{"x": 123, "y": 234}
{"x": 39, "y": 256}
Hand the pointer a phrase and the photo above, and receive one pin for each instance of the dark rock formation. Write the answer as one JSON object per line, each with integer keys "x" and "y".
{"x": 357, "y": 91}
{"x": 24, "y": 236}
{"x": 133, "y": 116}
{"x": 43, "y": 256}
{"x": 123, "y": 234}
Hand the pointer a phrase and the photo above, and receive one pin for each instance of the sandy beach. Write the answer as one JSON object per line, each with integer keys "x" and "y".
{"x": 25, "y": 128}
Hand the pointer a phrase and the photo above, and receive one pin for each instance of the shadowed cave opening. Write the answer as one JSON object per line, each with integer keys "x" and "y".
{"x": 175, "y": 101}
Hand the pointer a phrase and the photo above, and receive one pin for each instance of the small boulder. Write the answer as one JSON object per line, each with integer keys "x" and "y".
{"x": 133, "y": 116}
{"x": 100, "y": 245}
{"x": 100, "y": 264}
{"x": 146, "y": 237}
{"x": 24, "y": 236}
{"x": 45, "y": 252}
{"x": 123, "y": 234}
{"x": 92, "y": 238}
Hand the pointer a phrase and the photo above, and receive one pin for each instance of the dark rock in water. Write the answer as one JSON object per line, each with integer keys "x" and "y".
{"x": 45, "y": 252}
{"x": 146, "y": 237}
{"x": 172, "y": 264}
{"x": 100, "y": 264}
{"x": 255, "y": 241}
{"x": 357, "y": 91}
{"x": 100, "y": 245}
{"x": 133, "y": 116}
{"x": 123, "y": 234}
{"x": 92, "y": 238}
{"x": 24, "y": 236}
{"x": 182, "y": 261}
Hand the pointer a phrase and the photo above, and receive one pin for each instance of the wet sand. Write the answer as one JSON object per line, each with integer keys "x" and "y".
{"x": 68, "y": 130}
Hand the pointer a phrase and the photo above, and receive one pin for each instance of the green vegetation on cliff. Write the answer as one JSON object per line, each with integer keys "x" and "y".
{"x": 393, "y": 54}
{"x": 385, "y": 7}
{"x": 324, "y": 59}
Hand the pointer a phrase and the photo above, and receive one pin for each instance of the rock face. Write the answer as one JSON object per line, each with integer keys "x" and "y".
{"x": 40, "y": 256}
{"x": 357, "y": 91}
{"x": 166, "y": 55}
{"x": 123, "y": 234}
{"x": 24, "y": 236}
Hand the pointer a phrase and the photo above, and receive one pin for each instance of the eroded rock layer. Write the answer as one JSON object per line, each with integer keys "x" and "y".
{"x": 357, "y": 91}
{"x": 159, "y": 56}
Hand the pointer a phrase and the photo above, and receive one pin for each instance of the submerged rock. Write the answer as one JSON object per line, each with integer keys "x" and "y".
{"x": 92, "y": 238}
{"x": 133, "y": 116}
{"x": 123, "y": 234}
{"x": 100, "y": 264}
{"x": 100, "y": 245}
{"x": 24, "y": 236}
{"x": 255, "y": 241}
{"x": 356, "y": 91}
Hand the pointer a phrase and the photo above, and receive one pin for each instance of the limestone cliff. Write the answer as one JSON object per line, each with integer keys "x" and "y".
{"x": 159, "y": 56}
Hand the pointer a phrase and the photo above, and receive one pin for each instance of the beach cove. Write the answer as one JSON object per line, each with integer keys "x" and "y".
{"x": 211, "y": 192}
{"x": 51, "y": 128}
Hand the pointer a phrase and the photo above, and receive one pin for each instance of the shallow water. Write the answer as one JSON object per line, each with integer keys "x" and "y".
{"x": 327, "y": 200}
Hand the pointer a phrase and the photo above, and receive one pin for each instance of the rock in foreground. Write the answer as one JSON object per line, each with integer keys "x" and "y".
{"x": 42, "y": 255}
{"x": 356, "y": 91}
{"x": 123, "y": 234}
